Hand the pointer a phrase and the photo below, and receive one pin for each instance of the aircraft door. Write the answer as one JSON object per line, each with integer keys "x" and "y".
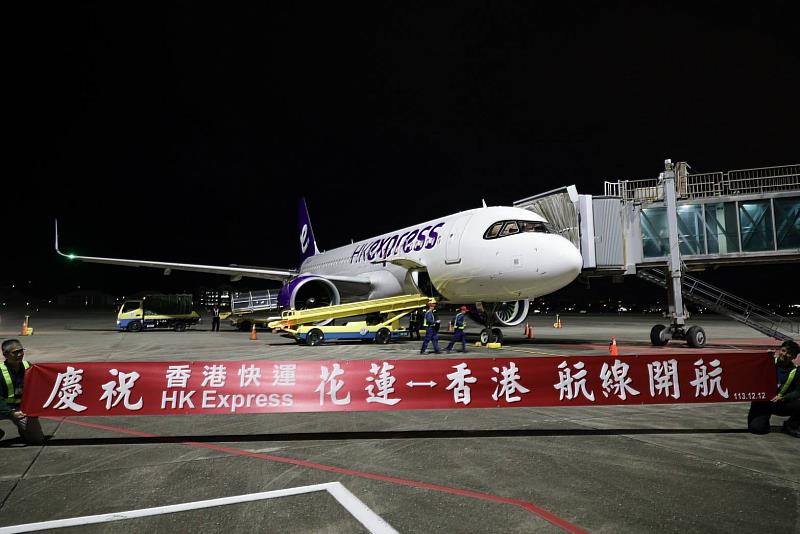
{"x": 453, "y": 246}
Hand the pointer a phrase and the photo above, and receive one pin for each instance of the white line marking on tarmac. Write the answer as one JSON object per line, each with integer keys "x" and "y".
{"x": 372, "y": 521}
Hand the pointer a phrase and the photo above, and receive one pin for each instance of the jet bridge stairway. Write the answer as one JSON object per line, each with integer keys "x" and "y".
{"x": 724, "y": 303}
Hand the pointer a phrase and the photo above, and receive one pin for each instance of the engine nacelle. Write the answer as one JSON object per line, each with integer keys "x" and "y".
{"x": 308, "y": 292}
{"x": 510, "y": 313}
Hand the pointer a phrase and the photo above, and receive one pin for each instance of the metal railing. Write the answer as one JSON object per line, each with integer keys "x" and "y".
{"x": 724, "y": 303}
{"x": 252, "y": 301}
{"x": 703, "y": 185}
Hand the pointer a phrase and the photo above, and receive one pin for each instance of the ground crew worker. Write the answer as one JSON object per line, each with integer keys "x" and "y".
{"x": 215, "y": 319}
{"x": 430, "y": 323}
{"x": 12, "y": 378}
{"x": 786, "y": 401}
{"x": 413, "y": 324}
{"x": 459, "y": 323}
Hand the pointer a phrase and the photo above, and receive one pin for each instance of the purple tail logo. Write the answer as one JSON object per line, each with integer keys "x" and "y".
{"x": 308, "y": 246}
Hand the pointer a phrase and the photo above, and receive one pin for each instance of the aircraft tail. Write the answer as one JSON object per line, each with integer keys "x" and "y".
{"x": 308, "y": 245}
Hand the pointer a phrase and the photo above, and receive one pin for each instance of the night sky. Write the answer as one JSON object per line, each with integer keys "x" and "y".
{"x": 187, "y": 133}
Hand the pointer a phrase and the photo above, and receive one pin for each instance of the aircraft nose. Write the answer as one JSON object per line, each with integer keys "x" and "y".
{"x": 570, "y": 263}
{"x": 575, "y": 262}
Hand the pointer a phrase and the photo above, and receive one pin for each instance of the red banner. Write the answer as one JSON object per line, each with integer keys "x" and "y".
{"x": 169, "y": 388}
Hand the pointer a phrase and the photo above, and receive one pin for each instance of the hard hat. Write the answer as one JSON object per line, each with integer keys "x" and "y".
{"x": 431, "y": 302}
{"x": 464, "y": 309}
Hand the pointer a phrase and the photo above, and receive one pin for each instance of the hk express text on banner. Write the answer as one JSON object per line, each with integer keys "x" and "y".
{"x": 184, "y": 387}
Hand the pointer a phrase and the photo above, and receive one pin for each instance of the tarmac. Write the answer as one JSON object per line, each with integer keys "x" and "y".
{"x": 645, "y": 468}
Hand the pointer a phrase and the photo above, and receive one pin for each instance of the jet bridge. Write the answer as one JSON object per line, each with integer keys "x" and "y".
{"x": 684, "y": 221}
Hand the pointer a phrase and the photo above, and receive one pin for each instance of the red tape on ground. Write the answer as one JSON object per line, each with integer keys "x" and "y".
{"x": 169, "y": 388}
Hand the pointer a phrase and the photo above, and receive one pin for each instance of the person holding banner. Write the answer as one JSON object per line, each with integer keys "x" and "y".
{"x": 12, "y": 378}
{"x": 786, "y": 401}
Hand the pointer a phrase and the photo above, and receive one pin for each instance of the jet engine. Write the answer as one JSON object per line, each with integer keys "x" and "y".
{"x": 308, "y": 292}
{"x": 512, "y": 313}
{"x": 509, "y": 313}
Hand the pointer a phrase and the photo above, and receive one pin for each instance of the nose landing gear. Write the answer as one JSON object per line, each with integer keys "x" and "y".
{"x": 491, "y": 335}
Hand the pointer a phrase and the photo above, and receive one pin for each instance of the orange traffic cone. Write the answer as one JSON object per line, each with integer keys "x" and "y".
{"x": 26, "y": 330}
{"x": 525, "y": 331}
{"x": 253, "y": 334}
{"x": 530, "y": 331}
{"x": 612, "y": 347}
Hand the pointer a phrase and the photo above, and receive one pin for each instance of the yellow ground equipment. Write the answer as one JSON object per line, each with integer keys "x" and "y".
{"x": 301, "y": 323}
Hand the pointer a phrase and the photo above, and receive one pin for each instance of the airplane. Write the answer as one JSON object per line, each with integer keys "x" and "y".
{"x": 496, "y": 259}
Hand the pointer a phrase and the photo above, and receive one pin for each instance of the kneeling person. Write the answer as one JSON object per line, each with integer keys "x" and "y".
{"x": 12, "y": 378}
{"x": 786, "y": 401}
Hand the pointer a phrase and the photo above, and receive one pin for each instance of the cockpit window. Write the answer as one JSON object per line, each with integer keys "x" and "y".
{"x": 535, "y": 226}
{"x": 493, "y": 230}
{"x": 504, "y": 228}
{"x": 511, "y": 227}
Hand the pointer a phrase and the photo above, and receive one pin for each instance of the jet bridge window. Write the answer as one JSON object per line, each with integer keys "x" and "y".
{"x": 504, "y": 228}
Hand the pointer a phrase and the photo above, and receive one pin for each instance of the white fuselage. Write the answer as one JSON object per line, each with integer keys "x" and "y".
{"x": 463, "y": 265}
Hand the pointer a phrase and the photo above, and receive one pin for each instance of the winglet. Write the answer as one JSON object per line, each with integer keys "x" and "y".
{"x": 70, "y": 256}
{"x": 57, "y": 239}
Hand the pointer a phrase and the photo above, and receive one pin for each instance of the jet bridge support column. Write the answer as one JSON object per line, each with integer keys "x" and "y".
{"x": 674, "y": 295}
{"x": 660, "y": 334}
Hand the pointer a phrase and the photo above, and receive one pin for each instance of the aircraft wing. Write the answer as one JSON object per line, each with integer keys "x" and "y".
{"x": 232, "y": 271}
{"x": 236, "y": 272}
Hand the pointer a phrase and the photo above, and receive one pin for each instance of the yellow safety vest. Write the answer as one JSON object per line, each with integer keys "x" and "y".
{"x": 11, "y": 399}
{"x": 788, "y": 382}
